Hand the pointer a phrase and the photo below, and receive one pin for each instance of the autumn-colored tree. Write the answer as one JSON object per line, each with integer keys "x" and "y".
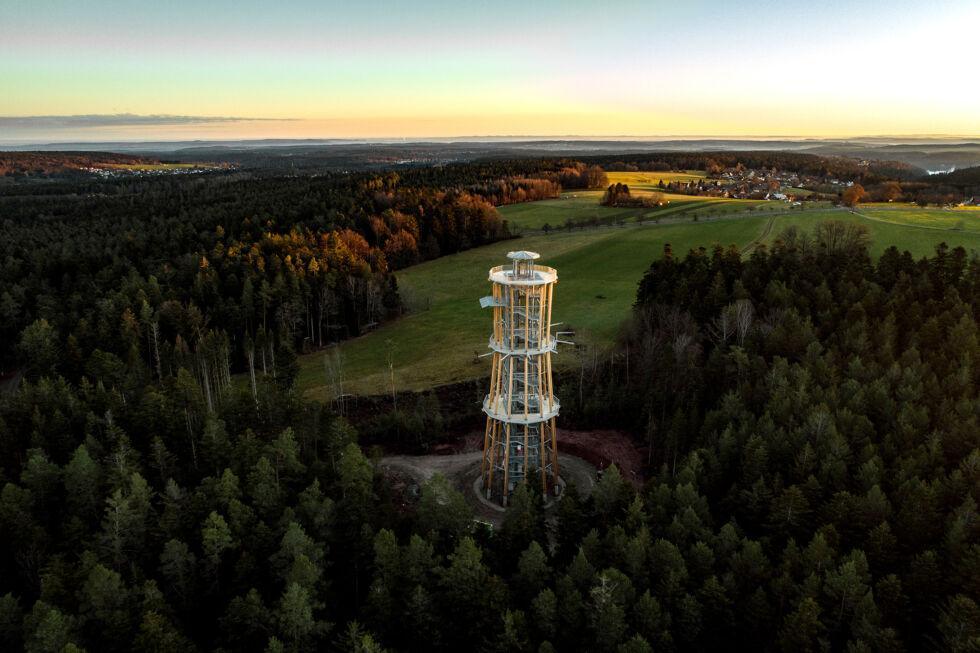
{"x": 890, "y": 191}
{"x": 853, "y": 194}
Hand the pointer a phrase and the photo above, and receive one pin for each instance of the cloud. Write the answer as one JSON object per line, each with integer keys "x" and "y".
{"x": 119, "y": 120}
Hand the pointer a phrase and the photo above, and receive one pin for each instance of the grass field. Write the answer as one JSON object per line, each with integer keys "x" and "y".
{"x": 579, "y": 207}
{"x": 904, "y": 229}
{"x": 583, "y": 206}
{"x": 958, "y": 219}
{"x": 598, "y": 272}
{"x": 649, "y": 180}
{"x": 439, "y": 341}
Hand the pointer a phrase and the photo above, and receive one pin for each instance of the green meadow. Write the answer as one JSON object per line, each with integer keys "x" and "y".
{"x": 440, "y": 340}
{"x": 955, "y": 219}
{"x": 578, "y": 207}
{"x": 444, "y": 331}
{"x": 583, "y": 206}
{"x": 916, "y": 230}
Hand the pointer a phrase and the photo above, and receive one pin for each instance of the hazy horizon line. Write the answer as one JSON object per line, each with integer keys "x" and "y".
{"x": 476, "y": 138}
{"x": 91, "y": 128}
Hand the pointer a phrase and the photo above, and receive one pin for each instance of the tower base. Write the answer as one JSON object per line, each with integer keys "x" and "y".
{"x": 485, "y": 498}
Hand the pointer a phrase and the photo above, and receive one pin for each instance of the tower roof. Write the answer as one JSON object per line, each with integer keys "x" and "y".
{"x": 523, "y": 255}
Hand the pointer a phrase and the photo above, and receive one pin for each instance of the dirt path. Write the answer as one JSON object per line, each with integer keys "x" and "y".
{"x": 422, "y": 468}
{"x": 899, "y": 224}
{"x": 761, "y": 238}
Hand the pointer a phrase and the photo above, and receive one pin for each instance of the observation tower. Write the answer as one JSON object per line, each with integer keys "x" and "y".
{"x": 520, "y": 443}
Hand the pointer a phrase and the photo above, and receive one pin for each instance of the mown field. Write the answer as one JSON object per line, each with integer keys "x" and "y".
{"x": 956, "y": 219}
{"x": 649, "y": 180}
{"x": 439, "y": 341}
{"x": 916, "y": 230}
{"x": 445, "y": 331}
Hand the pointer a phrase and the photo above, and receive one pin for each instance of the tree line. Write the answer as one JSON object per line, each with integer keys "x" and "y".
{"x": 938, "y": 192}
{"x": 618, "y": 195}
{"x": 290, "y": 262}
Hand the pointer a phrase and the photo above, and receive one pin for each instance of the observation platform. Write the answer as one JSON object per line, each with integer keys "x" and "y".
{"x": 535, "y": 275}
{"x": 498, "y": 410}
{"x": 551, "y": 346}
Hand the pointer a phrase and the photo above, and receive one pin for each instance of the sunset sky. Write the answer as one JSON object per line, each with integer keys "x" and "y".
{"x": 292, "y": 69}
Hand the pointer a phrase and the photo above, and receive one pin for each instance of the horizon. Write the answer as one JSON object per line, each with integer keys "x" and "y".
{"x": 436, "y": 70}
{"x": 873, "y": 139}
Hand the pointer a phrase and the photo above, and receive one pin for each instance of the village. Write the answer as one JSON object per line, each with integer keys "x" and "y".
{"x": 751, "y": 184}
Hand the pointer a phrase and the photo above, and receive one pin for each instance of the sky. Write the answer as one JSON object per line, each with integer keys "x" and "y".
{"x": 215, "y": 69}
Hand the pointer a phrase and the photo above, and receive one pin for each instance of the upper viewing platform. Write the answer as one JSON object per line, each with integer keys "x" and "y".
{"x": 523, "y": 272}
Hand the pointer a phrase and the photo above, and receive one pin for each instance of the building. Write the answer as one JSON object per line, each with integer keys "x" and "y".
{"x": 520, "y": 442}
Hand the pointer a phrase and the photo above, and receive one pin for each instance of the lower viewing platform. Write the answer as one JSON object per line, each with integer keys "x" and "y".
{"x": 538, "y": 409}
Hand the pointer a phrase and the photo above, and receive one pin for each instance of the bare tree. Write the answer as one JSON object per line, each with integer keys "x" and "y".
{"x": 723, "y": 327}
{"x": 743, "y": 314}
{"x": 390, "y": 344}
{"x": 333, "y": 366}
{"x": 838, "y": 237}
{"x": 250, "y": 354}
{"x": 155, "y": 335}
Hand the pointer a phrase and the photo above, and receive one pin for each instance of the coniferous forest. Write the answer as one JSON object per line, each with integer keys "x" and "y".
{"x": 808, "y": 413}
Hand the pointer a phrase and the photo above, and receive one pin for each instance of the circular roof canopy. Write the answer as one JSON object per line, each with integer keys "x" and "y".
{"x": 523, "y": 255}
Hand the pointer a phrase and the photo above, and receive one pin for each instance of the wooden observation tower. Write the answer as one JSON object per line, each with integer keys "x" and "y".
{"x": 520, "y": 443}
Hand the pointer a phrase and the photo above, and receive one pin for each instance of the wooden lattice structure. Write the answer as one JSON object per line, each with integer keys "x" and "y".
{"x": 520, "y": 443}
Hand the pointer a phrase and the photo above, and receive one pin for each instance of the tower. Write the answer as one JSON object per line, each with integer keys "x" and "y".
{"x": 520, "y": 442}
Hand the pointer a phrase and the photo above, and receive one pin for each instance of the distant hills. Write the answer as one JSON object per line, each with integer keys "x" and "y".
{"x": 932, "y": 155}
{"x": 935, "y": 154}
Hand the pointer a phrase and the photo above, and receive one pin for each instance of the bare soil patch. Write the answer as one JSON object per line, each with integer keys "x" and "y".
{"x": 601, "y": 448}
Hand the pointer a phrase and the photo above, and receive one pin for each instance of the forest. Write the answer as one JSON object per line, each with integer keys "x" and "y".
{"x": 810, "y": 422}
{"x": 271, "y": 264}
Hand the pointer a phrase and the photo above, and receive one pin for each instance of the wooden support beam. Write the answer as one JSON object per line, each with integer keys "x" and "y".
{"x": 554, "y": 453}
{"x": 486, "y": 448}
{"x": 544, "y": 327}
{"x": 512, "y": 293}
{"x": 494, "y": 445}
{"x": 525, "y": 419}
{"x": 507, "y": 427}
